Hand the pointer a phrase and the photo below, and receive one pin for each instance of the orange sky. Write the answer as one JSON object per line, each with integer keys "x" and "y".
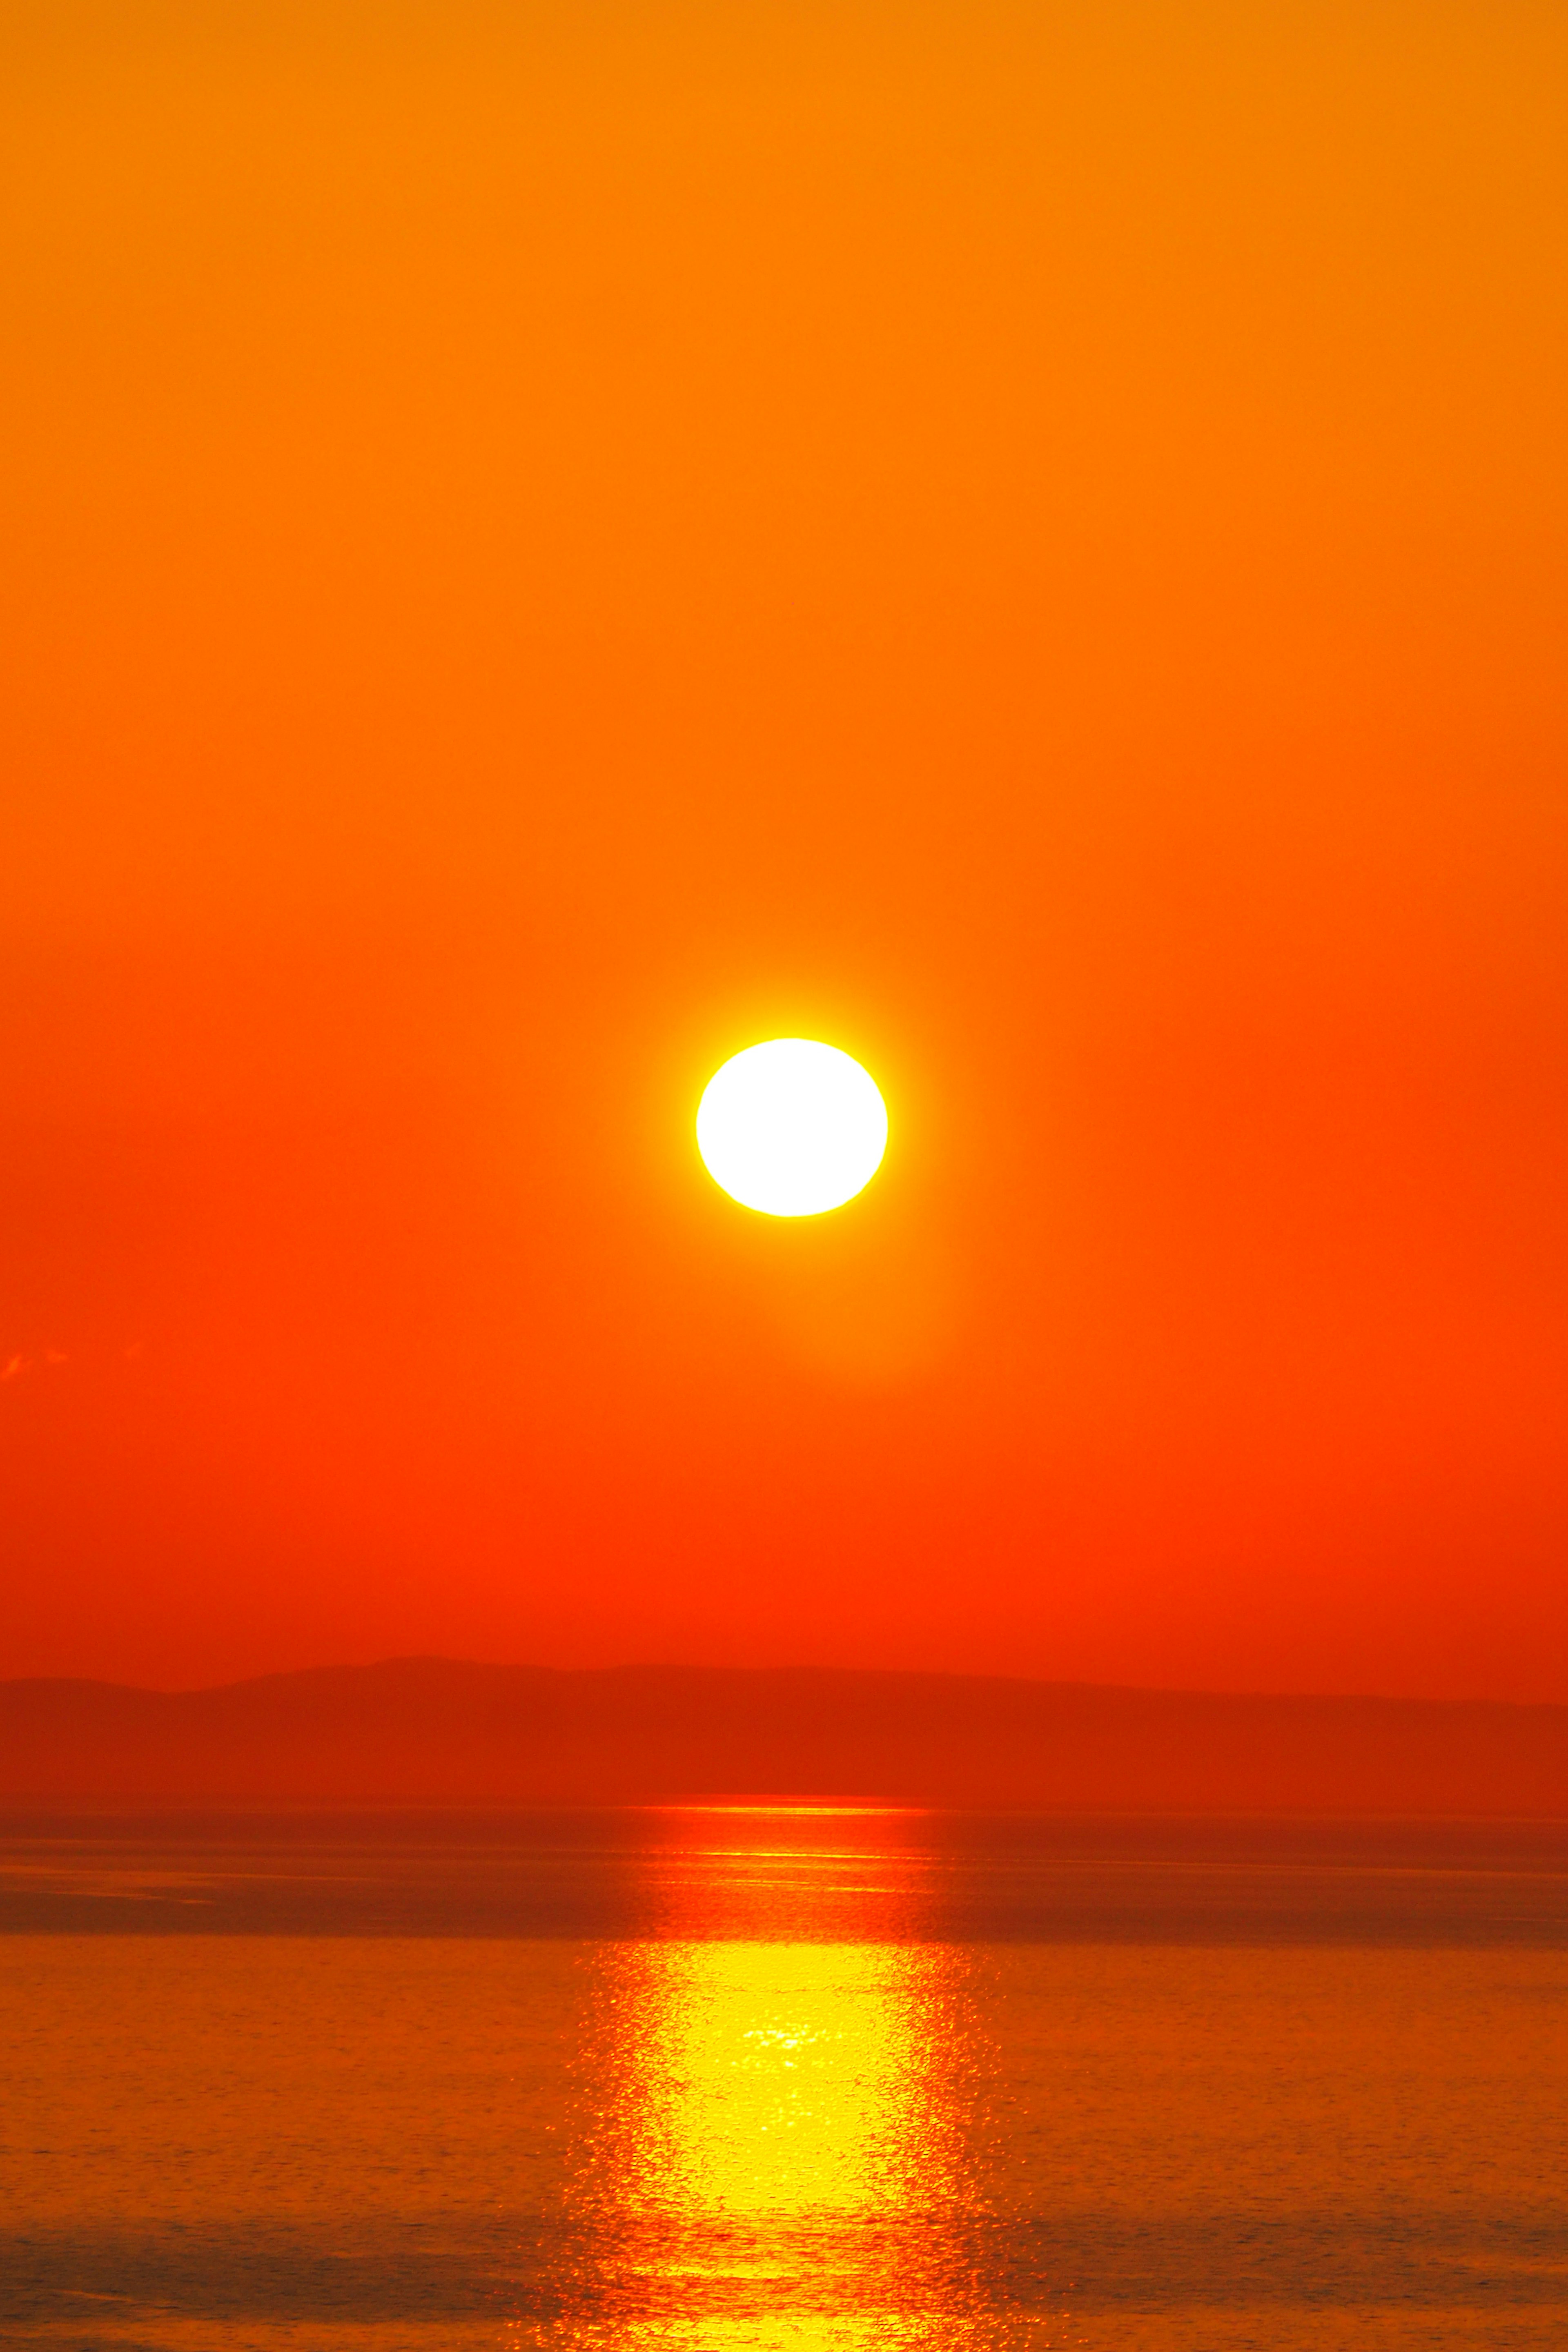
{"x": 542, "y": 544}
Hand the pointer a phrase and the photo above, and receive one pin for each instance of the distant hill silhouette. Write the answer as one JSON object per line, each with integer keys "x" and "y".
{"x": 440, "y": 1730}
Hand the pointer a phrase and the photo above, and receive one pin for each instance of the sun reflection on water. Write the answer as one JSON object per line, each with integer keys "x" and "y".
{"x": 781, "y": 2162}
{"x": 788, "y": 2080}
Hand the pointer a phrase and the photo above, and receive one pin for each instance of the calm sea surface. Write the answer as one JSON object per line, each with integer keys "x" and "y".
{"x": 770, "y": 2078}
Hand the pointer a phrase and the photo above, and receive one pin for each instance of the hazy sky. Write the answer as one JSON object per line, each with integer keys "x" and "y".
{"x": 545, "y": 543}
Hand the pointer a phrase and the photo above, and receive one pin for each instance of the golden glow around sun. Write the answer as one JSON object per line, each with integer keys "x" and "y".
{"x": 792, "y": 1127}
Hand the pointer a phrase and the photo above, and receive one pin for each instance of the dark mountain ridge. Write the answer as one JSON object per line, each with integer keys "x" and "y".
{"x": 447, "y": 1731}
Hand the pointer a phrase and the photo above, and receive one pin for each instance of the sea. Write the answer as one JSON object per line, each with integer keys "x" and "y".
{"x": 762, "y": 2076}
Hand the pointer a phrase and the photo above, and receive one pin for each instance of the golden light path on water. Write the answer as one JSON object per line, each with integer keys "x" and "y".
{"x": 785, "y": 2117}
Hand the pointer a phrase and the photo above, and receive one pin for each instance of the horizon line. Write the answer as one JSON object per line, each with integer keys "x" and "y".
{"x": 804, "y": 1668}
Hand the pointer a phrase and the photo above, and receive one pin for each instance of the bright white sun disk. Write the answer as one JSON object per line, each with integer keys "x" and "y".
{"x": 792, "y": 1127}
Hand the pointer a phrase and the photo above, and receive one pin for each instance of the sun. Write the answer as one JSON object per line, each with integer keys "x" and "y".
{"x": 792, "y": 1127}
